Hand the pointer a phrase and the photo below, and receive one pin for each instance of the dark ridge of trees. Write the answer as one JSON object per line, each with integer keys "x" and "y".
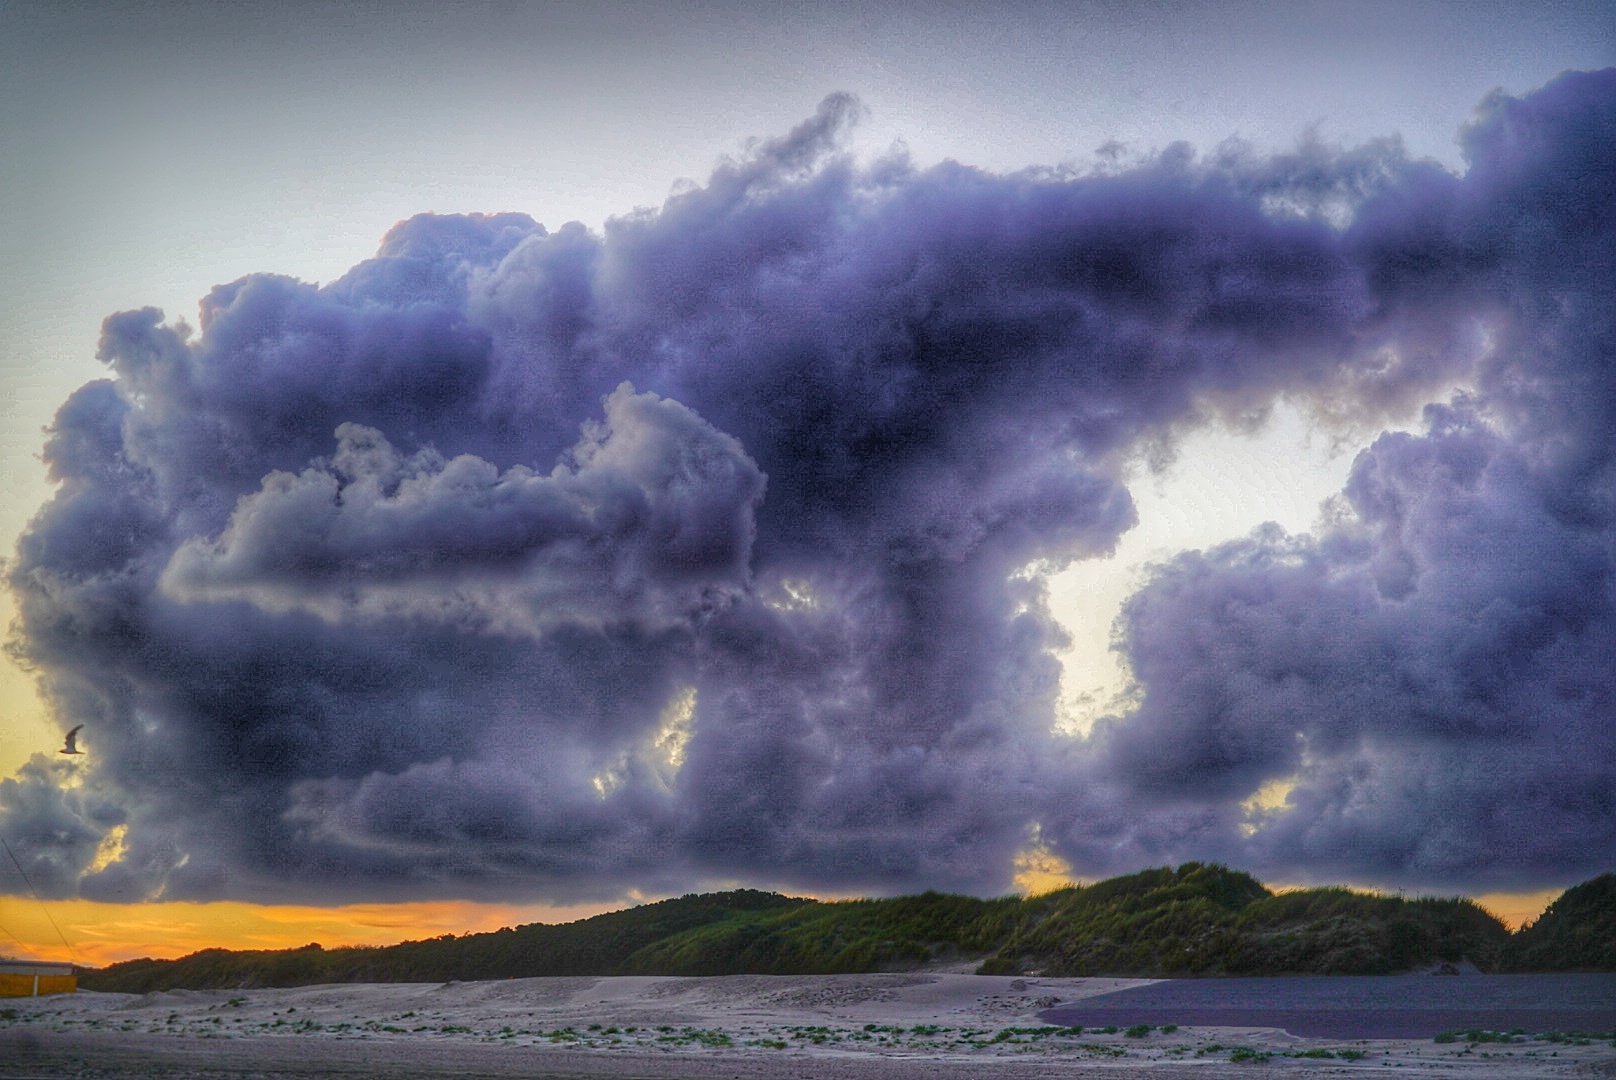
{"x": 595, "y": 946}
{"x": 1575, "y": 933}
{"x": 1195, "y": 920}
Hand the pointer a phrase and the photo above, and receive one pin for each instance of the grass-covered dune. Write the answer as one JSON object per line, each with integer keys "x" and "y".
{"x": 1576, "y": 933}
{"x": 1196, "y": 920}
{"x": 596, "y": 946}
{"x": 1209, "y": 920}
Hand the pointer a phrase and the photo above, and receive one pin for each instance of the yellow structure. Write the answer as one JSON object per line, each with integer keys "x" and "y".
{"x": 31, "y": 978}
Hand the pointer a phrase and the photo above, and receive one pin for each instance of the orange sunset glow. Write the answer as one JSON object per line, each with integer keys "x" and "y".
{"x": 101, "y": 934}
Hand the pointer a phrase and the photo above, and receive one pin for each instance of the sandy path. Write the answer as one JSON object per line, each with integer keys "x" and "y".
{"x": 936, "y": 1025}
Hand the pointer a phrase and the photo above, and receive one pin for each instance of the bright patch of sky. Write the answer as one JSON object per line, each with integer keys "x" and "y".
{"x": 1222, "y": 483}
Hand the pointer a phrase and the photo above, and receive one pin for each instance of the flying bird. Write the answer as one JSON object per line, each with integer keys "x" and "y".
{"x": 72, "y": 746}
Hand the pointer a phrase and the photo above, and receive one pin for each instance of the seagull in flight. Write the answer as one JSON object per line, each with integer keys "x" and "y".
{"x": 72, "y": 746}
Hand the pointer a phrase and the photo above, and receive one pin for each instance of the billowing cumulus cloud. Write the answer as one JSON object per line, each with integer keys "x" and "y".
{"x": 1421, "y": 692}
{"x": 710, "y": 547}
{"x": 649, "y": 519}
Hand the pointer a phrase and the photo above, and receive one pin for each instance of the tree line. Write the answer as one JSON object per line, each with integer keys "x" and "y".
{"x": 1194, "y": 920}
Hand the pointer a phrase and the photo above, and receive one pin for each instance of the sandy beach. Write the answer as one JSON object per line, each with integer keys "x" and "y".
{"x": 934, "y": 1024}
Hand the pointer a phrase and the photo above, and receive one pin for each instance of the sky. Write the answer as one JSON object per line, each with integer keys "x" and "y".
{"x": 475, "y": 464}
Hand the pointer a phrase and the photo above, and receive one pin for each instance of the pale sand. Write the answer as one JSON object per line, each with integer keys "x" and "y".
{"x": 761, "y": 1027}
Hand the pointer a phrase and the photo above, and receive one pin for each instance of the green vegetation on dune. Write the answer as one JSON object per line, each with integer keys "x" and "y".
{"x": 1210, "y": 920}
{"x": 1576, "y": 933}
{"x": 838, "y": 937}
{"x": 600, "y": 945}
{"x": 1336, "y": 931}
{"x": 1198, "y": 919}
{"x": 1158, "y": 922}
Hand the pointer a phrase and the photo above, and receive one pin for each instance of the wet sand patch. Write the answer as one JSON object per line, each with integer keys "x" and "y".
{"x": 1361, "y": 1007}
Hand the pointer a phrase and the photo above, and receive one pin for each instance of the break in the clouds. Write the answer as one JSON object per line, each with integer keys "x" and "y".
{"x": 711, "y": 547}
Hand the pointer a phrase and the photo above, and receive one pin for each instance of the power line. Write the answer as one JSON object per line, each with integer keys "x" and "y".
{"x": 21, "y": 943}
{"x": 71, "y": 955}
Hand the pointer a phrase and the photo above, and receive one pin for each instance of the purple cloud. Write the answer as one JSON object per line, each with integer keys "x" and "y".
{"x": 1428, "y": 677}
{"x": 520, "y": 561}
{"x": 648, "y": 519}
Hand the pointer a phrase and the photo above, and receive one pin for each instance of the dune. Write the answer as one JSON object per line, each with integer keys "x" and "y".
{"x": 935, "y": 1024}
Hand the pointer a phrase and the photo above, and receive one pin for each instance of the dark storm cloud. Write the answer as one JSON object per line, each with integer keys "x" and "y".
{"x": 523, "y": 561}
{"x": 1433, "y": 671}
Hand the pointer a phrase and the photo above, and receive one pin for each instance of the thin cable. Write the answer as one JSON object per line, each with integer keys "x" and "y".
{"x": 70, "y": 953}
{"x": 6, "y": 930}
{"x": 24, "y": 945}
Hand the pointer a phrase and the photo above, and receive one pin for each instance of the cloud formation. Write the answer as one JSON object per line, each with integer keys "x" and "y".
{"x": 709, "y": 547}
{"x": 648, "y": 519}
